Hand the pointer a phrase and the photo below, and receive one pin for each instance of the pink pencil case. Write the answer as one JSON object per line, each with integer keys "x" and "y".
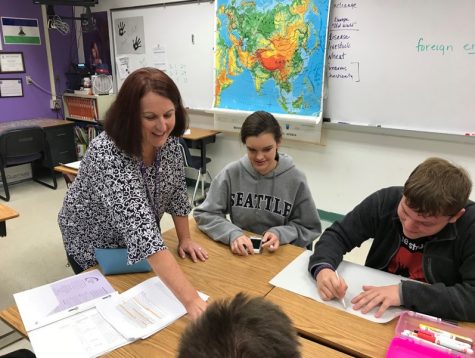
{"x": 402, "y": 346}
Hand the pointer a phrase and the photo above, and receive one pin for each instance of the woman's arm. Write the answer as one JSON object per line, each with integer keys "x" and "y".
{"x": 185, "y": 244}
{"x": 166, "y": 267}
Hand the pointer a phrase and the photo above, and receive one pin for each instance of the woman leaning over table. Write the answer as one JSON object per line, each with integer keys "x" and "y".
{"x": 131, "y": 174}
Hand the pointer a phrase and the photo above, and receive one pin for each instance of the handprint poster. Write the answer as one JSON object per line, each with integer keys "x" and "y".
{"x": 129, "y": 36}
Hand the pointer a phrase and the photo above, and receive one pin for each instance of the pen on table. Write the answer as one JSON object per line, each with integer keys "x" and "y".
{"x": 450, "y": 334}
{"x": 445, "y": 341}
{"x": 447, "y": 335}
{"x": 342, "y": 300}
{"x": 413, "y": 336}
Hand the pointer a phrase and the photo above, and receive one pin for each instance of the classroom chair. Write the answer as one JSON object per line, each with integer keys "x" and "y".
{"x": 194, "y": 162}
{"x": 21, "y": 146}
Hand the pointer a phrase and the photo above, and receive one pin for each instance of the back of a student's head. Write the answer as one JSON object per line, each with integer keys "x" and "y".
{"x": 241, "y": 327}
{"x": 437, "y": 188}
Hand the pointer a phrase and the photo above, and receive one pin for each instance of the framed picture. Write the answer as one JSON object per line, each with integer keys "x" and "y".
{"x": 11, "y": 62}
{"x": 11, "y": 87}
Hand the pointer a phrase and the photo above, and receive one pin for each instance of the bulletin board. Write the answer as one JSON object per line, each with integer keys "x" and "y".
{"x": 177, "y": 38}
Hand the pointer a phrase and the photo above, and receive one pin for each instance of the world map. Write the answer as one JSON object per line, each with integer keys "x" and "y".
{"x": 270, "y": 55}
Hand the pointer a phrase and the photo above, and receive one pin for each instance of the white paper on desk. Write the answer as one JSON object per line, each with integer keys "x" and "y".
{"x": 143, "y": 310}
{"x": 52, "y": 302}
{"x": 296, "y": 278}
{"x": 82, "y": 335}
{"x": 73, "y": 165}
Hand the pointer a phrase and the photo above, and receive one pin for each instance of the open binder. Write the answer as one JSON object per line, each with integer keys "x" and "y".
{"x": 83, "y": 316}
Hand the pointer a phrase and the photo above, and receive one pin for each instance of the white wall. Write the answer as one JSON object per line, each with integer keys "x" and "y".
{"x": 351, "y": 164}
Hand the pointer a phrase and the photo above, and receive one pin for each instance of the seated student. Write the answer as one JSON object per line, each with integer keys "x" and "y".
{"x": 240, "y": 327}
{"x": 424, "y": 231}
{"x": 263, "y": 193}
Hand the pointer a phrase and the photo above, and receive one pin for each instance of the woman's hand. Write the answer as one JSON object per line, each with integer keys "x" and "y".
{"x": 242, "y": 246}
{"x": 270, "y": 241}
{"x": 195, "y": 308}
{"x": 196, "y": 252}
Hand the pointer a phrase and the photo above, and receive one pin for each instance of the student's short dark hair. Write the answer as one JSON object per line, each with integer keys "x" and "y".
{"x": 241, "y": 327}
{"x": 260, "y": 122}
{"x": 437, "y": 188}
{"x": 123, "y": 120}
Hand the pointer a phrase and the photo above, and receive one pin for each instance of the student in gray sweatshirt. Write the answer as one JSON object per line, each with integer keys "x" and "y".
{"x": 263, "y": 193}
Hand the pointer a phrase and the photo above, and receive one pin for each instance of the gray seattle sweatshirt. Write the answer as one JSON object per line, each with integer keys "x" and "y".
{"x": 279, "y": 202}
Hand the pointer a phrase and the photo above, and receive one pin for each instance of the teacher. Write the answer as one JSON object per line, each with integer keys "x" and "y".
{"x": 130, "y": 175}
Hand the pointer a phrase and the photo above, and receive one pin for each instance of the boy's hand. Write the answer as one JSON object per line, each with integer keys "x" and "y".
{"x": 372, "y": 296}
{"x": 330, "y": 286}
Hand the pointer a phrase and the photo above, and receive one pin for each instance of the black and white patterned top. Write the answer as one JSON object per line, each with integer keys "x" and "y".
{"x": 107, "y": 205}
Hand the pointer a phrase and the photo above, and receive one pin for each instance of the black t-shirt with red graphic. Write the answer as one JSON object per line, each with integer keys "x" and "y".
{"x": 407, "y": 261}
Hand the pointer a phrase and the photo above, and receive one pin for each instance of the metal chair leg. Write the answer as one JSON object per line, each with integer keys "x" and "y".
{"x": 196, "y": 187}
{"x": 203, "y": 179}
{"x": 5, "y": 185}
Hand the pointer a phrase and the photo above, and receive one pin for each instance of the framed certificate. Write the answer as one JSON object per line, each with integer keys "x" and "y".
{"x": 11, "y": 62}
{"x": 11, "y": 87}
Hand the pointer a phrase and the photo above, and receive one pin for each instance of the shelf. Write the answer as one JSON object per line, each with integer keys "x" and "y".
{"x": 87, "y": 108}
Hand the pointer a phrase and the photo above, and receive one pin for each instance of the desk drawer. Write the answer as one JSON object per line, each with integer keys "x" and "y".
{"x": 61, "y": 142}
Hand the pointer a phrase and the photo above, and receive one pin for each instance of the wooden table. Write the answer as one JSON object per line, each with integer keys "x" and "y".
{"x": 199, "y": 138}
{"x": 335, "y": 328}
{"x": 6, "y": 213}
{"x": 165, "y": 342}
{"x": 66, "y": 170}
{"x": 223, "y": 275}
{"x": 69, "y": 174}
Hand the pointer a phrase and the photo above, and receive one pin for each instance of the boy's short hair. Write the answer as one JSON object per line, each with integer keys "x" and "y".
{"x": 437, "y": 188}
{"x": 241, "y": 327}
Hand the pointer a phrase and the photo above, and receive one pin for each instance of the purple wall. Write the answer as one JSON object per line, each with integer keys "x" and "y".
{"x": 36, "y": 103}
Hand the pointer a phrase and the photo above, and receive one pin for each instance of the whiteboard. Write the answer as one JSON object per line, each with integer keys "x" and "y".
{"x": 177, "y": 38}
{"x": 406, "y": 64}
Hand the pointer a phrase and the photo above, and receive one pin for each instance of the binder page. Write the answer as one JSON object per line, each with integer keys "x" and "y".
{"x": 142, "y": 310}
{"x": 73, "y": 165}
{"x": 48, "y": 303}
{"x": 82, "y": 335}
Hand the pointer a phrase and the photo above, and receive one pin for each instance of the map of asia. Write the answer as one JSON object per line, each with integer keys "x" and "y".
{"x": 270, "y": 55}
